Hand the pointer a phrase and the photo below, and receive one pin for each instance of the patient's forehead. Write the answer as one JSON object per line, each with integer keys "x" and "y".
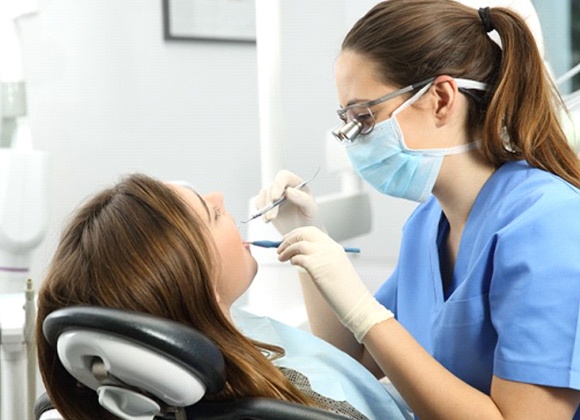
{"x": 192, "y": 199}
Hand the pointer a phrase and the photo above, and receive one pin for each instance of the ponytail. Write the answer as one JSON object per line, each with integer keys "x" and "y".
{"x": 522, "y": 120}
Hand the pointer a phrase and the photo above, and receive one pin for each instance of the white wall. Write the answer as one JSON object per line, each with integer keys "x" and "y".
{"x": 108, "y": 96}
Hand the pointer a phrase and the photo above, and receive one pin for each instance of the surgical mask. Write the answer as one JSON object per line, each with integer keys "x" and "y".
{"x": 382, "y": 158}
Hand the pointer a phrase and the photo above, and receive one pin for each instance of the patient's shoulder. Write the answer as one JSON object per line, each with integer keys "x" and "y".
{"x": 330, "y": 372}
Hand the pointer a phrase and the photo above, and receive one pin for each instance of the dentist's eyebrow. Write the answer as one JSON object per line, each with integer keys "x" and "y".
{"x": 355, "y": 101}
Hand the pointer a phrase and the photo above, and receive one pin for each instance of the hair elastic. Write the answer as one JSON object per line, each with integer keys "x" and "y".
{"x": 485, "y": 16}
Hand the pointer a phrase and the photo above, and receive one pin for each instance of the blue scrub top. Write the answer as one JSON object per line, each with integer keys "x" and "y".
{"x": 512, "y": 309}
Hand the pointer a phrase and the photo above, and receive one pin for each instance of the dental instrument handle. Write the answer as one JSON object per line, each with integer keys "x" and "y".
{"x": 274, "y": 203}
{"x": 276, "y": 244}
{"x": 279, "y": 201}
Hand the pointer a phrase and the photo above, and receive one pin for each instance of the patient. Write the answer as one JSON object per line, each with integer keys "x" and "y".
{"x": 162, "y": 249}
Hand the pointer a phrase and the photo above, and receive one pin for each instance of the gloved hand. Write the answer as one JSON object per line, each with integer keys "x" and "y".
{"x": 334, "y": 275}
{"x": 299, "y": 209}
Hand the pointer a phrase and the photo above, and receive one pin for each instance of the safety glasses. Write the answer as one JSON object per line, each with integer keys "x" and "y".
{"x": 359, "y": 119}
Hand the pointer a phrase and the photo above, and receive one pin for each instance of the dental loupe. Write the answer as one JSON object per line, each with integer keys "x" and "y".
{"x": 348, "y": 132}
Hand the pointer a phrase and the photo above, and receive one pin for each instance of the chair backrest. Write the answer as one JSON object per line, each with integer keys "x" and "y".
{"x": 258, "y": 409}
{"x": 143, "y": 367}
{"x": 44, "y": 410}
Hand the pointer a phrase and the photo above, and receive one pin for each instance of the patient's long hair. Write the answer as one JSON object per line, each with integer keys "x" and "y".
{"x": 138, "y": 246}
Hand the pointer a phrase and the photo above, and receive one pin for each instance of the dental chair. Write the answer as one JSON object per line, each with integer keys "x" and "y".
{"x": 143, "y": 367}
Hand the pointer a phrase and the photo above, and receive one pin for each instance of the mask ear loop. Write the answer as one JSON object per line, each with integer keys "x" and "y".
{"x": 462, "y": 85}
{"x": 411, "y": 100}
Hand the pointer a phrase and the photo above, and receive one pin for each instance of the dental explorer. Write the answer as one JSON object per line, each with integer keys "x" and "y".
{"x": 280, "y": 200}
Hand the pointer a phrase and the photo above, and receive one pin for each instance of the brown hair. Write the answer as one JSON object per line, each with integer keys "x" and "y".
{"x": 413, "y": 40}
{"x": 138, "y": 246}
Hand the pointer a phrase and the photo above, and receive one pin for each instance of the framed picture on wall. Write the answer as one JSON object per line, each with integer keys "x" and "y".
{"x": 209, "y": 20}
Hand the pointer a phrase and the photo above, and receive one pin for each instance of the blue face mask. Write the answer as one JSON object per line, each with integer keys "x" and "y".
{"x": 382, "y": 158}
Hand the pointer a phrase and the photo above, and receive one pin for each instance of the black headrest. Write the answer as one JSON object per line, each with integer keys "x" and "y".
{"x": 188, "y": 347}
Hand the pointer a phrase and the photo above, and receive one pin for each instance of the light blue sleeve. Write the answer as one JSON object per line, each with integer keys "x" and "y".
{"x": 331, "y": 372}
{"x": 535, "y": 296}
{"x": 387, "y": 293}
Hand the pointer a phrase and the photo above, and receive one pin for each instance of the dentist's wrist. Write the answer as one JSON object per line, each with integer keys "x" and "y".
{"x": 364, "y": 315}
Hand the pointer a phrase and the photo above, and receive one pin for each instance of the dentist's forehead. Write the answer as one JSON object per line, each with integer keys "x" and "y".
{"x": 357, "y": 78}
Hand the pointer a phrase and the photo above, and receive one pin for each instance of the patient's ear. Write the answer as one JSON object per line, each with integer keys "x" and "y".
{"x": 224, "y": 308}
{"x": 217, "y": 296}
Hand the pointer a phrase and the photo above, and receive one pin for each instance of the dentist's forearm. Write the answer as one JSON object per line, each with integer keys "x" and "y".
{"x": 325, "y": 325}
{"x": 431, "y": 390}
{"x": 323, "y": 321}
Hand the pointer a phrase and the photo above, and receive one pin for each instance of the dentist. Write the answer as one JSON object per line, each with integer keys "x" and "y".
{"x": 480, "y": 318}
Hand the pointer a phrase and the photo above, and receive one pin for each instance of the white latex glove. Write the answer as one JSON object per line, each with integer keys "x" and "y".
{"x": 334, "y": 275}
{"x": 299, "y": 209}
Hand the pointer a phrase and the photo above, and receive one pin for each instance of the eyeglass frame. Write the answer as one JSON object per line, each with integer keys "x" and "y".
{"x": 342, "y": 111}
